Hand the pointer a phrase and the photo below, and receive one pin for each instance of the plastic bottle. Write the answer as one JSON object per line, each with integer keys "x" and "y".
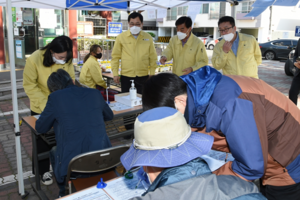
{"x": 132, "y": 91}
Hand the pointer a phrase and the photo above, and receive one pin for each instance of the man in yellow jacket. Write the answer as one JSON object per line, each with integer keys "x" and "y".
{"x": 188, "y": 51}
{"x": 236, "y": 53}
{"x": 136, "y": 50}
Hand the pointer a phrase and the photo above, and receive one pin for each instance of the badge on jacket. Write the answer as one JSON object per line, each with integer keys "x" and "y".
{"x": 146, "y": 39}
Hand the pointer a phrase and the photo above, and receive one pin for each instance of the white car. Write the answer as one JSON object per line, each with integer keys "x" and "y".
{"x": 212, "y": 43}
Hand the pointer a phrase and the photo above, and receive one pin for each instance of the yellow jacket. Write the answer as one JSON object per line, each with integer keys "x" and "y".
{"x": 136, "y": 55}
{"x": 91, "y": 73}
{"x": 35, "y": 78}
{"x": 245, "y": 63}
{"x": 192, "y": 54}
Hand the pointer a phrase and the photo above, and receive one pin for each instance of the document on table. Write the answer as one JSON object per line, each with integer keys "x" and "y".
{"x": 116, "y": 106}
{"x": 37, "y": 116}
{"x": 89, "y": 194}
{"x": 216, "y": 159}
{"x": 118, "y": 189}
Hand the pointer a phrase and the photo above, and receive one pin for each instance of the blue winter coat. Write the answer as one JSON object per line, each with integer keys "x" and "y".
{"x": 77, "y": 115}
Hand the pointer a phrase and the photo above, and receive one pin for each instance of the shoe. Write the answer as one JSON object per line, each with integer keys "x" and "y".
{"x": 47, "y": 179}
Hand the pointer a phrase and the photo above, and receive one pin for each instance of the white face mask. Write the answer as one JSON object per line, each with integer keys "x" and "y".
{"x": 135, "y": 30}
{"x": 181, "y": 35}
{"x": 59, "y": 62}
{"x": 228, "y": 37}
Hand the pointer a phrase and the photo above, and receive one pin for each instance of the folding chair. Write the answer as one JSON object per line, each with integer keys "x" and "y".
{"x": 93, "y": 162}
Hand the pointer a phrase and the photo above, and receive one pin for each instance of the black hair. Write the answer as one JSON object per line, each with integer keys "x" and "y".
{"x": 60, "y": 44}
{"x": 227, "y": 19}
{"x": 93, "y": 49}
{"x": 184, "y": 20}
{"x": 160, "y": 90}
{"x": 135, "y": 15}
{"x": 59, "y": 80}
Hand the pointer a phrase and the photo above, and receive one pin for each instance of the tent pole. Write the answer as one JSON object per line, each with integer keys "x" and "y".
{"x": 14, "y": 97}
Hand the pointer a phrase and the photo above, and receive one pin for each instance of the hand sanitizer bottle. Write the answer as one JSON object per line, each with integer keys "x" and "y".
{"x": 132, "y": 91}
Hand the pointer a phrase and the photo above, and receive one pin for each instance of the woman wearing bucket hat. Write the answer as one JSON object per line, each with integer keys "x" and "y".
{"x": 169, "y": 152}
{"x": 246, "y": 116}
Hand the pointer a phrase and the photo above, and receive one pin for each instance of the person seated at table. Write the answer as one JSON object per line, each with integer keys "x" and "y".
{"x": 246, "y": 116}
{"x": 77, "y": 115}
{"x": 91, "y": 72}
{"x": 56, "y": 55}
{"x": 168, "y": 151}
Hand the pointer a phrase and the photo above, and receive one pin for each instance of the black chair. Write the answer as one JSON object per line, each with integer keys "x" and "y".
{"x": 105, "y": 160}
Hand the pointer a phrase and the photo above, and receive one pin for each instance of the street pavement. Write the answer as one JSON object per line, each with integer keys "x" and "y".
{"x": 271, "y": 72}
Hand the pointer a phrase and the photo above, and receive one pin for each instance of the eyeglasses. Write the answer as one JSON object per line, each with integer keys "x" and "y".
{"x": 225, "y": 30}
{"x": 132, "y": 24}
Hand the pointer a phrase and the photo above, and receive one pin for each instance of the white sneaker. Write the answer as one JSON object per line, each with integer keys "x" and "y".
{"x": 47, "y": 179}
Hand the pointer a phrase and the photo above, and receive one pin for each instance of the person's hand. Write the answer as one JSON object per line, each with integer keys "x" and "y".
{"x": 187, "y": 70}
{"x": 117, "y": 79}
{"x": 227, "y": 46}
{"x": 297, "y": 64}
{"x": 163, "y": 60}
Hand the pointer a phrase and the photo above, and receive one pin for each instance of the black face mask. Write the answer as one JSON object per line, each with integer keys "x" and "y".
{"x": 98, "y": 55}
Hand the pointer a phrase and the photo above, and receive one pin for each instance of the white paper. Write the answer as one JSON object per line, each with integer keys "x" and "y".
{"x": 151, "y": 14}
{"x": 161, "y": 13}
{"x": 88, "y": 29}
{"x": 47, "y": 18}
{"x": 90, "y": 194}
{"x": 123, "y": 189}
{"x": 37, "y": 116}
{"x": 16, "y": 31}
{"x": 19, "y": 16}
{"x": 118, "y": 106}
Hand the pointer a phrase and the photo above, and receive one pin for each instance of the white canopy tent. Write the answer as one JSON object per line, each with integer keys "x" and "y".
{"x": 101, "y": 5}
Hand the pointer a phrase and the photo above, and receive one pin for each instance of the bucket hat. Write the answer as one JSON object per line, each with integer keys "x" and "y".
{"x": 164, "y": 139}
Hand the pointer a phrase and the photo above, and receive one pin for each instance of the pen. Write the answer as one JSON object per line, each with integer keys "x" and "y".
{"x": 138, "y": 183}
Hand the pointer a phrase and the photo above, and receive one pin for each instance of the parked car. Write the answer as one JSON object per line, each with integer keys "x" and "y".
{"x": 289, "y": 67}
{"x": 211, "y": 44}
{"x": 204, "y": 37}
{"x": 277, "y": 48}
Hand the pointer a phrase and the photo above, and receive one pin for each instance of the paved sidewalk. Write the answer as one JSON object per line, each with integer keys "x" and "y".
{"x": 271, "y": 72}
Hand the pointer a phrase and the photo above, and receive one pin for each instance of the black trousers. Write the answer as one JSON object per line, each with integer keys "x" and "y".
{"x": 295, "y": 89}
{"x": 41, "y": 146}
{"x": 126, "y": 85}
{"x": 290, "y": 192}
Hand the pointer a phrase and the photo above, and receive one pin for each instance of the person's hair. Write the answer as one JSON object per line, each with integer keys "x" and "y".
{"x": 184, "y": 20}
{"x": 59, "y": 80}
{"x": 227, "y": 19}
{"x": 160, "y": 90}
{"x": 135, "y": 15}
{"x": 60, "y": 44}
{"x": 93, "y": 49}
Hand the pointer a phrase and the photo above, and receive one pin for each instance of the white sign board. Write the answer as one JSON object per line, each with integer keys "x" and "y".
{"x": 161, "y": 13}
{"x": 19, "y": 16}
{"x": 47, "y": 18}
{"x": 151, "y": 14}
{"x": 16, "y": 31}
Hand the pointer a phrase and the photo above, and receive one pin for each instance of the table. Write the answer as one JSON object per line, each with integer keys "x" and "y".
{"x": 110, "y": 79}
{"x": 114, "y": 128}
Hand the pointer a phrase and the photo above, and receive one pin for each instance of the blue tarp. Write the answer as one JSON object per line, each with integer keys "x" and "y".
{"x": 106, "y": 4}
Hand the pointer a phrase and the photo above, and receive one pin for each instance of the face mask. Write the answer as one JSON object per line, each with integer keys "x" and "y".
{"x": 59, "y": 62}
{"x": 98, "y": 55}
{"x": 181, "y": 35}
{"x": 228, "y": 37}
{"x": 135, "y": 30}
